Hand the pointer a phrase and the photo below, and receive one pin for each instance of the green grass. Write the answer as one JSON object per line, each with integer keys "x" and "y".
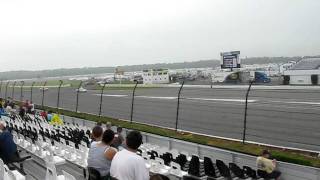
{"x": 290, "y": 156}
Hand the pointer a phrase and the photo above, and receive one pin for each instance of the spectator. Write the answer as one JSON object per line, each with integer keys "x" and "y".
{"x": 2, "y": 111}
{"x": 8, "y": 148}
{"x": 99, "y": 123}
{"x": 32, "y": 110}
{"x": 22, "y": 112}
{"x": 101, "y": 154}
{"x": 126, "y": 164}
{"x": 49, "y": 116}
{"x": 118, "y": 138}
{"x": 56, "y": 120}
{"x": 3, "y": 102}
{"x": 159, "y": 177}
{"x": 11, "y": 103}
{"x": 267, "y": 166}
{"x": 96, "y": 134}
{"x": 108, "y": 125}
{"x": 44, "y": 115}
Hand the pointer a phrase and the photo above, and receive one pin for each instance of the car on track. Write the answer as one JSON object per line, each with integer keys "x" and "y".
{"x": 81, "y": 89}
{"x": 44, "y": 89}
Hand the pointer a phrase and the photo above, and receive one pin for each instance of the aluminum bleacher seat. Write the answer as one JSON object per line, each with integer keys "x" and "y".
{"x": 7, "y": 174}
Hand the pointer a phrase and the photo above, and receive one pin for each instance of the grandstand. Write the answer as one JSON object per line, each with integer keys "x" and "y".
{"x": 305, "y": 72}
{"x": 307, "y": 64}
{"x": 60, "y": 152}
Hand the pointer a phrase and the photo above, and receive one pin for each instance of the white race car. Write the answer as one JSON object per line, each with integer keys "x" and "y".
{"x": 44, "y": 88}
{"x": 81, "y": 89}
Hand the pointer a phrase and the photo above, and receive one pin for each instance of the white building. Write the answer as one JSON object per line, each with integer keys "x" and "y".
{"x": 155, "y": 76}
{"x": 305, "y": 72}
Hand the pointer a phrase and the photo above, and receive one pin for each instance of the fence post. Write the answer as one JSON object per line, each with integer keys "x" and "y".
{"x": 5, "y": 93}
{"x": 245, "y": 113}
{"x": 43, "y": 89}
{"x": 78, "y": 91}
{"x": 31, "y": 90}
{"x": 178, "y": 105}
{"x": 14, "y": 84}
{"x": 1, "y": 88}
{"x": 132, "y": 102}
{"x": 58, "y": 98}
{"x": 101, "y": 97}
{"x": 21, "y": 91}
{"x": 211, "y": 83}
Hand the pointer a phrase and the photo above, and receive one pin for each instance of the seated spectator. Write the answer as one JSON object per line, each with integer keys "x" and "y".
{"x": 99, "y": 123}
{"x": 49, "y": 116}
{"x": 9, "y": 110}
{"x": 8, "y": 148}
{"x": 108, "y": 125}
{"x": 118, "y": 138}
{"x": 266, "y": 167}
{"x": 22, "y": 112}
{"x": 126, "y": 164}
{"x": 32, "y": 109}
{"x": 56, "y": 120}
{"x": 101, "y": 154}
{"x": 159, "y": 177}
{"x": 2, "y": 111}
{"x": 44, "y": 115}
{"x": 96, "y": 134}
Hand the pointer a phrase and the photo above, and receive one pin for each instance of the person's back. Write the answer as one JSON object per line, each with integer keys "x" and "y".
{"x": 97, "y": 160}
{"x": 126, "y": 164}
{"x": 7, "y": 146}
{"x": 265, "y": 164}
{"x": 2, "y": 112}
{"x": 101, "y": 154}
{"x": 266, "y": 167}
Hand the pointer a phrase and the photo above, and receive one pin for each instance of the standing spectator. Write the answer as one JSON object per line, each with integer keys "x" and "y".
{"x": 101, "y": 155}
{"x": 118, "y": 138}
{"x": 126, "y": 164}
{"x": 266, "y": 167}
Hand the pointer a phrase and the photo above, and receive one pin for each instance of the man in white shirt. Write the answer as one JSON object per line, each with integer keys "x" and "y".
{"x": 126, "y": 164}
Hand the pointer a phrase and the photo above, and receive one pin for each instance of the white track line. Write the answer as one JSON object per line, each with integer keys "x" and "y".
{"x": 173, "y": 98}
{"x": 156, "y": 97}
{"x": 112, "y": 95}
{"x": 224, "y": 100}
{"x": 298, "y": 102}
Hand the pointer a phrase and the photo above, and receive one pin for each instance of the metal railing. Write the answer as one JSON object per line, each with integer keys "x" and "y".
{"x": 183, "y": 108}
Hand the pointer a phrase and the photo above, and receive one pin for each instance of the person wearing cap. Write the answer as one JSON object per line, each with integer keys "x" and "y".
{"x": 266, "y": 166}
{"x": 126, "y": 164}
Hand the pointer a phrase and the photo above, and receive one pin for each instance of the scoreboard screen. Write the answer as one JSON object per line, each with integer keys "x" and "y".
{"x": 230, "y": 59}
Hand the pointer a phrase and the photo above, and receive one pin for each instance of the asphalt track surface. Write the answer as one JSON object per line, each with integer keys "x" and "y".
{"x": 289, "y": 118}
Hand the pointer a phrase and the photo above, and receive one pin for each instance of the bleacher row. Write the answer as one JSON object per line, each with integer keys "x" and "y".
{"x": 56, "y": 145}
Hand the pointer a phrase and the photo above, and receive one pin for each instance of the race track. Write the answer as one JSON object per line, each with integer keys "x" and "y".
{"x": 280, "y": 117}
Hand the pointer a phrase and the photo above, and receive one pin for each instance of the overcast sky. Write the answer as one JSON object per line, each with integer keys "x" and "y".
{"x": 41, "y": 34}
